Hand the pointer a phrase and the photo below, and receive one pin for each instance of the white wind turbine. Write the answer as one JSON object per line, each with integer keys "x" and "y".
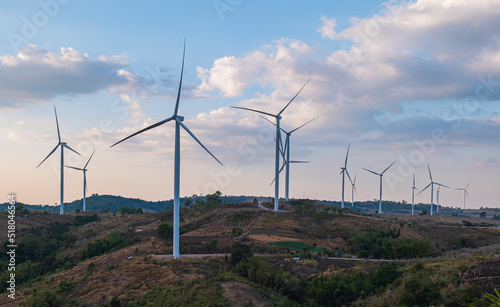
{"x": 413, "y": 188}
{"x": 437, "y": 199}
{"x": 177, "y": 165}
{"x": 432, "y": 188}
{"x": 286, "y": 155}
{"x": 465, "y": 191}
{"x": 343, "y": 172}
{"x": 278, "y": 140}
{"x": 63, "y": 145}
{"x": 381, "y": 174}
{"x": 353, "y": 189}
{"x": 84, "y": 169}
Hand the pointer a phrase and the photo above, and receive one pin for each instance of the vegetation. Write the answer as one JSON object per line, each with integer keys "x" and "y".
{"x": 165, "y": 231}
{"x": 384, "y": 244}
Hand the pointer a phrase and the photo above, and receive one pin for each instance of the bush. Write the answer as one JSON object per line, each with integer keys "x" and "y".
{"x": 165, "y": 231}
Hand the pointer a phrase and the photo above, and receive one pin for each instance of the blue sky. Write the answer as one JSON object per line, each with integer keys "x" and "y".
{"x": 416, "y": 82}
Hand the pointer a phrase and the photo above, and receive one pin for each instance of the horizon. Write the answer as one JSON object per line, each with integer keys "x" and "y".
{"x": 415, "y": 82}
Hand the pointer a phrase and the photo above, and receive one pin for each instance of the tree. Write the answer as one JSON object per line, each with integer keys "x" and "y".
{"x": 255, "y": 202}
{"x": 213, "y": 244}
{"x": 188, "y": 203}
{"x": 240, "y": 252}
{"x": 165, "y": 231}
{"x": 482, "y": 215}
{"x": 77, "y": 211}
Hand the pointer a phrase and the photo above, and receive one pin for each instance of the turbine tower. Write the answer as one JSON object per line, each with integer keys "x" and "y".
{"x": 437, "y": 199}
{"x": 177, "y": 161}
{"x": 432, "y": 188}
{"x": 353, "y": 189}
{"x": 84, "y": 169}
{"x": 381, "y": 174}
{"x": 413, "y": 196}
{"x": 465, "y": 191}
{"x": 278, "y": 140}
{"x": 343, "y": 172}
{"x": 63, "y": 145}
{"x": 286, "y": 155}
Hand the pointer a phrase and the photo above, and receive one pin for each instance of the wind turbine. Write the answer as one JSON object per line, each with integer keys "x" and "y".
{"x": 343, "y": 172}
{"x": 84, "y": 169}
{"x": 465, "y": 191}
{"x": 353, "y": 189}
{"x": 286, "y": 155}
{"x": 437, "y": 199}
{"x": 278, "y": 140}
{"x": 413, "y": 196}
{"x": 432, "y": 188}
{"x": 177, "y": 161}
{"x": 63, "y": 145}
{"x": 381, "y": 174}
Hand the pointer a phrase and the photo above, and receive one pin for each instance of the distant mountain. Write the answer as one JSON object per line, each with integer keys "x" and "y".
{"x": 114, "y": 203}
{"x": 102, "y": 202}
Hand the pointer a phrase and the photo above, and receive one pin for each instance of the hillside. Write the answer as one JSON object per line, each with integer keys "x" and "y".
{"x": 78, "y": 259}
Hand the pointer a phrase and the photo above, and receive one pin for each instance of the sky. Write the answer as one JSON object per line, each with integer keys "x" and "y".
{"x": 416, "y": 82}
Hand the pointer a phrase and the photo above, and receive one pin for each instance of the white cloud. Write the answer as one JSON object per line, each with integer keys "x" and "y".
{"x": 37, "y": 75}
{"x": 328, "y": 27}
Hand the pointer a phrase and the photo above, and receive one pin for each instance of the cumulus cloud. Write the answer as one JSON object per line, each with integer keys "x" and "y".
{"x": 328, "y": 27}
{"x": 37, "y": 75}
{"x": 425, "y": 50}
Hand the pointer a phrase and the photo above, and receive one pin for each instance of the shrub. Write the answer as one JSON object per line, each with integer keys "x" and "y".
{"x": 165, "y": 231}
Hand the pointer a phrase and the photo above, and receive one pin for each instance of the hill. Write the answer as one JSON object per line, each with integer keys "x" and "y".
{"x": 96, "y": 258}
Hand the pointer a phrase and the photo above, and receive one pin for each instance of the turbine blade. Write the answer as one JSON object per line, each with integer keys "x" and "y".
{"x": 467, "y": 193}
{"x": 57, "y": 124}
{"x": 66, "y": 145}
{"x": 279, "y": 173}
{"x": 242, "y": 108}
{"x": 180, "y": 82}
{"x": 347, "y": 155}
{"x": 348, "y": 176}
{"x": 293, "y": 97}
{"x": 424, "y": 189}
{"x": 441, "y": 185}
{"x": 388, "y": 167}
{"x": 467, "y": 185}
{"x": 354, "y": 179}
{"x": 303, "y": 125}
{"x": 429, "y": 168}
{"x": 79, "y": 169}
{"x": 268, "y": 120}
{"x": 145, "y": 129}
{"x": 55, "y": 148}
{"x": 413, "y": 179}
{"x": 371, "y": 171}
{"x": 194, "y": 137}
{"x": 89, "y": 159}
{"x": 299, "y": 161}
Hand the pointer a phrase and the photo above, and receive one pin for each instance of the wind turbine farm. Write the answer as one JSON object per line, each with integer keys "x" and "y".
{"x": 406, "y": 84}
{"x": 277, "y": 141}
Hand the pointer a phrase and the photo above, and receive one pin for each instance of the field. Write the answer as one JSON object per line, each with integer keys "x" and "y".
{"x": 113, "y": 257}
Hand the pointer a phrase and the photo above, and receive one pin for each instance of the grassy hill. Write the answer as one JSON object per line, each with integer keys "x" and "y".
{"x": 85, "y": 259}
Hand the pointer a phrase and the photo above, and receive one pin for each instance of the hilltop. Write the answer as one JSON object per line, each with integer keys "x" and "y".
{"x": 112, "y": 203}
{"x": 94, "y": 258}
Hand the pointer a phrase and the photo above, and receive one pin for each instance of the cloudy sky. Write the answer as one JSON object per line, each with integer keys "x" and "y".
{"x": 416, "y": 82}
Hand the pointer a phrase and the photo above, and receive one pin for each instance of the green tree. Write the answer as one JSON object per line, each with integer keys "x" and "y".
{"x": 482, "y": 215}
{"x": 165, "y": 231}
